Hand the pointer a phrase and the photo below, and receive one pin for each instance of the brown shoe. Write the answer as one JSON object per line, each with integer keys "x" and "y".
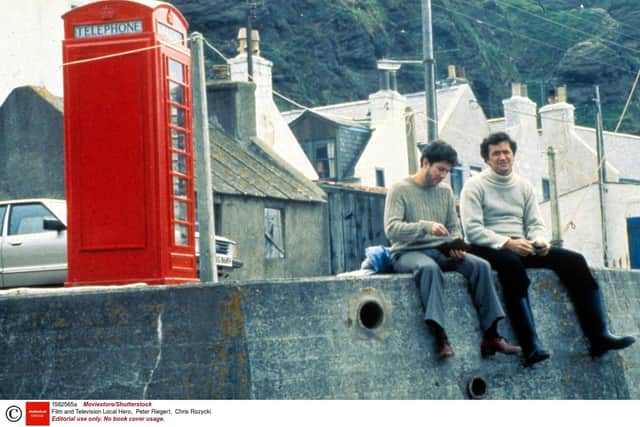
{"x": 443, "y": 348}
{"x": 491, "y": 346}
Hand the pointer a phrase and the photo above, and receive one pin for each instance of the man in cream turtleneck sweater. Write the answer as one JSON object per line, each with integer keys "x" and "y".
{"x": 503, "y": 224}
{"x": 420, "y": 216}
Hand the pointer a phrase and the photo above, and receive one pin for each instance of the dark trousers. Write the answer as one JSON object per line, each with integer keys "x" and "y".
{"x": 570, "y": 266}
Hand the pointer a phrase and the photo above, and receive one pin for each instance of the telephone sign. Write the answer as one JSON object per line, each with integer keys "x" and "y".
{"x": 111, "y": 29}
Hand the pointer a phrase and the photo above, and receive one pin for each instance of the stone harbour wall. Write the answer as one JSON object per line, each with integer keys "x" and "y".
{"x": 313, "y": 338}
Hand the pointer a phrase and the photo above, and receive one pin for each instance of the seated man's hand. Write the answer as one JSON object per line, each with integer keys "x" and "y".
{"x": 456, "y": 254}
{"x": 522, "y": 247}
{"x": 541, "y": 247}
{"x": 438, "y": 229}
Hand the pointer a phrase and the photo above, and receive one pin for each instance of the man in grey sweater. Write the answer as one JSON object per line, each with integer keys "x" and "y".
{"x": 503, "y": 224}
{"x": 421, "y": 222}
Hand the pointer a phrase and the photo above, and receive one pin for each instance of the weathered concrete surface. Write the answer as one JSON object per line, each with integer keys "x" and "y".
{"x": 155, "y": 343}
{"x": 31, "y": 133}
{"x": 297, "y": 339}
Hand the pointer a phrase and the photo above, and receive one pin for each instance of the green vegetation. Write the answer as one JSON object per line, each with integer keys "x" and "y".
{"x": 325, "y": 52}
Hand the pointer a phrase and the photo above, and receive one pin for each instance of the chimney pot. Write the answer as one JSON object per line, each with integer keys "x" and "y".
{"x": 242, "y": 41}
{"x": 452, "y": 71}
{"x": 255, "y": 42}
{"x": 394, "y": 80}
{"x": 515, "y": 88}
{"x": 562, "y": 93}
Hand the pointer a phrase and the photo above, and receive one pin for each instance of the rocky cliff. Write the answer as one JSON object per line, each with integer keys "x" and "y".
{"x": 325, "y": 52}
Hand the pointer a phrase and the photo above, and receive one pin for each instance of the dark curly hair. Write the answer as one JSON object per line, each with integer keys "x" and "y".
{"x": 439, "y": 151}
{"x": 495, "y": 139}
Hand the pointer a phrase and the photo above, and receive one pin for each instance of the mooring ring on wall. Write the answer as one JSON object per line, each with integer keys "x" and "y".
{"x": 369, "y": 314}
{"x": 477, "y": 388}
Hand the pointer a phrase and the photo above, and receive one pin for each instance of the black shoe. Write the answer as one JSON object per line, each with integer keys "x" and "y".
{"x": 608, "y": 342}
{"x": 536, "y": 356}
{"x": 593, "y": 318}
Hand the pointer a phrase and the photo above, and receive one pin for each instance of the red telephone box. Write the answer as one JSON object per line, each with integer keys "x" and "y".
{"x": 128, "y": 144}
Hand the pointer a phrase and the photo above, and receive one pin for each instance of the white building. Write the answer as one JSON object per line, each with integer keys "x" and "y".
{"x": 31, "y": 44}
{"x": 580, "y": 213}
{"x": 397, "y": 124}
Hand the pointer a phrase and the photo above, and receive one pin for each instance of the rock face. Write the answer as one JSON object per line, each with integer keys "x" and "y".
{"x": 325, "y": 52}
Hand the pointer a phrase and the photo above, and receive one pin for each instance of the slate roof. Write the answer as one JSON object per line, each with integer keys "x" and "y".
{"x": 358, "y": 111}
{"x": 252, "y": 169}
{"x": 352, "y": 186}
{"x": 337, "y": 119}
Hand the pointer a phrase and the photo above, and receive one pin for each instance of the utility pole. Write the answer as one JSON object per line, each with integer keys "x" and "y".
{"x": 602, "y": 175}
{"x": 600, "y": 136}
{"x": 202, "y": 151}
{"x": 429, "y": 72}
{"x": 249, "y": 43}
{"x": 556, "y": 235}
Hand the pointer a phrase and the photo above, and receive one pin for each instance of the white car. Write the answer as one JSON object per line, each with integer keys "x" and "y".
{"x": 226, "y": 254}
{"x": 33, "y": 243}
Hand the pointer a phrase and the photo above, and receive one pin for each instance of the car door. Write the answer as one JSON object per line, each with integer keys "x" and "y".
{"x": 3, "y": 209}
{"x": 32, "y": 255}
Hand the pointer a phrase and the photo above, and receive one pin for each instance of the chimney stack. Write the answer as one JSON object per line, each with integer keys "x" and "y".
{"x": 242, "y": 41}
{"x": 519, "y": 110}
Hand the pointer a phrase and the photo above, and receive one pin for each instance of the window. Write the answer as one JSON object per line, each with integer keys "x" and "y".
{"x": 28, "y": 218}
{"x": 380, "y": 177}
{"x": 176, "y": 70}
{"x": 323, "y": 157}
{"x": 273, "y": 233}
{"x": 177, "y": 116}
{"x": 546, "y": 189}
{"x": 457, "y": 179}
{"x": 217, "y": 215}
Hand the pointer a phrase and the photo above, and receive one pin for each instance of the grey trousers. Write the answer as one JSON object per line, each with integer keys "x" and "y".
{"x": 428, "y": 264}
